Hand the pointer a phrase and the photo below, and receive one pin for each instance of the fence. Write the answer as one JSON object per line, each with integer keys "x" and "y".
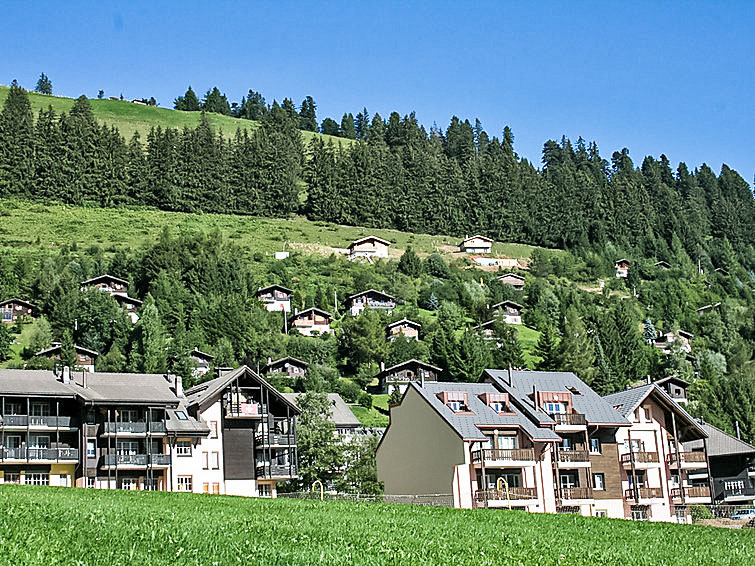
{"x": 725, "y": 511}
{"x": 436, "y": 500}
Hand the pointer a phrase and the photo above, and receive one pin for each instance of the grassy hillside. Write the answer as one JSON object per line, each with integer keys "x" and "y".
{"x": 29, "y": 226}
{"x": 129, "y": 117}
{"x": 43, "y": 526}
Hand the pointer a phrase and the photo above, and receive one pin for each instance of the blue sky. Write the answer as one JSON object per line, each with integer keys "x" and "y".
{"x": 657, "y": 77}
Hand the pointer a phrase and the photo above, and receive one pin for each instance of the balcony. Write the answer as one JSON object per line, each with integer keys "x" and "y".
{"x": 273, "y": 439}
{"x": 517, "y": 496}
{"x": 41, "y": 454}
{"x": 283, "y": 471}
{"x": 569, "y": 421}
{"x": 687, "y": 460}
{"x": 644, "y": 493}
{"x": 576, "y": 493}
{"x": 514, "y": 457}
{"x": 691, "y": 492}
{"x": 33, "y": 421}
{"x": 133, "y": 429}
{"x": 133, "y": 461}
{"x": 736, "y": 489}
{"x": 640, "y": 459}
{"x": 251, "y": 410}
{"x": 573, "y": 458}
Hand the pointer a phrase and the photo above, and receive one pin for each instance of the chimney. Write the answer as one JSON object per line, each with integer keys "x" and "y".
{"x": 66, "y": 375}
{"x": 179, "y": 386}
{"x": 382, "y": 367}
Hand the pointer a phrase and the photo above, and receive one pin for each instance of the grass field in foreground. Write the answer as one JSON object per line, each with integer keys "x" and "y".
{"x": 35, "y": 226}
{"x": 46, "y": 526}
{"x": 129, "y": 117}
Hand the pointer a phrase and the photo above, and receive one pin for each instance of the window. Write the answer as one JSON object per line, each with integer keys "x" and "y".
{"x": 127, "y": 447}
{"x": 130, "y": 484}
{"x": 595, "y": 447}
{"x": 12, "y": 477}
{"x": 637, "y": 415}
{"x": 127, "y": 415}
{"x": 39, "y": 441}
{"x": 90, "y": 483}
{"x": 181, "y": 416}
{"x": 213, "y": 429}
{"x": 183, "y": 483}
{"x": 599, "y": 482}
{"x": 264, "y": 490}
{"x": 601, "y": 513}
{"x": 674, "y": 480}
{"x": 647, "y": 414}
{"x": 639, "y": 513}
{"x": 215, "y": 488}
{"x": 91, "y": 450}
{"x": 40, "y": 409}
{"x": 455, "y": 406}
{"x": 555, "y": 408}
{"x": 681, "y": 514}
{"x": 183, "y": 448}
{"x": 37, "y": 479}
{"x": 215, "y": 460}
{"x": 498, "y": 406}
{"x": 507, "y": 442}
{"x": 569, "y": 479}
{"x": 12, "y": 408}
{"x": 205, "y": 460}
{"x": 205, "y": 487}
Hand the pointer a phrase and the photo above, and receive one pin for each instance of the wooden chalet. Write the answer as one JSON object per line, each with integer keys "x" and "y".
{"x": 106, "y": 283}
{"x": 85, "y": 358}
{"x": 400, "y": 375}
{"x": 276, "y": 298}
{"x": 286, "y": 367}
{"x": 368, "y": 247}
{"x": 512, "y": 279}
{"x": 12, "y": 310}
{"x": 370, "y": 299}
{"x": 476, "y": 245}
{"x": 405, "y": 327}
{"x": 311, "y": 322}
{"x": 511, "y": 311}
{"x": 622, "y": 268}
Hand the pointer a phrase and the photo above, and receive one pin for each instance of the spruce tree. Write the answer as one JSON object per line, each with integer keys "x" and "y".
{"x": 44, "y": 85}
{"x": 330, "y": 127}
{"x": 576, "y": 349}
{"x": 68, "y": 350}
{"x": 307, "y": 115}
{"x": 547, "y": 349}
{"x": 347, "y": 127}
{"x": 17, "y": 163}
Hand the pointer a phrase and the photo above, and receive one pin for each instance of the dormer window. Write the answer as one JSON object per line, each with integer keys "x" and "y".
{"x": 498, "y": 406}
{"x": 455, "y": 406}
{"x": 455, "y": 400}
{"x": 499, "y": 402}
{"x": 553, "y": 408}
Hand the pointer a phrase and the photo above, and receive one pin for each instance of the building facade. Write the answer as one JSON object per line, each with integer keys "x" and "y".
{"x": 15, "y": 309}
{"x": 476, "y": 245}
{"x": 311, "y": 322}
{"x": 370, "y": 299}
{"x": 275, "y": 298}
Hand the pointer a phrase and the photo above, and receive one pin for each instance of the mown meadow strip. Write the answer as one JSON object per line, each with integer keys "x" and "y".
{"x": 43, "y": 526}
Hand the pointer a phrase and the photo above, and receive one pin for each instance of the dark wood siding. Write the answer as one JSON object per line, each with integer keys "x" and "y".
{"x": 607, "y": 463}
{"x": 238, "y": 451}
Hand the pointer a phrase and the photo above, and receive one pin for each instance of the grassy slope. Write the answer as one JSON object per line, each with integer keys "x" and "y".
{"x": 129, "y": 117}
{"x": 29, "y": 226}
{"x": 43, "y": 526}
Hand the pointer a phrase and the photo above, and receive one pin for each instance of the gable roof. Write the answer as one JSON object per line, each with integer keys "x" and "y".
{"x": 367, "y": 239}
{"x": 481, "y": 237}
{"x": 201, "y": 355}
{"x": 662, "y": 264}
{"x": 27, "y": 304}
{"x": 188, "y": 426}
{"x": 521, "y": 384}
{"x": 40, "y": 383}
{"x": 130, "y": 388}
{"x": 106, "y": 277}
{"x": 127, "y": 299}
{"x": 720, "y": 443}
{"x": 340, "y": 414}
{"x": 57, "y": 346}
{"x": 209, "y": 390}
{"x": 622, "y": 260}
{"x": 372, "y": 292}
{"x": 628, "y": 400}
{"x": 270, "y": 287}
{"x": 313, "y": 309}
{"x": 466, "y": 424}
{"x": 511, "y": 274}
{"x": 286, "y": 359}
{"x": 504, "y": 303}
{"x": 708, "y": 307}
{"x": 413, "y": 361}
{"x": 673, "y": 379}
{"x": 405, "y": 322}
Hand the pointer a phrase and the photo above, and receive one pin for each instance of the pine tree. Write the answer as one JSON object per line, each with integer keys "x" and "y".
{"x": 44, "y": 85}
{"x": 433, "y": 304}
{"x": 17, "y": 163}
{"x": 547, "y": 349}
{"x": 330, "y": 127}
{"x": 188, "y": 102}
{"x": 410, "y": 263}
{"x": 149, "y": 351}
{"x": 576, "y": 349}
{"x": 216, "y": 102}
{"x": 649, "y": 332}
{"x": 319, "y": 453}
{"x": 347, "y": 127}
{"x": 307, "y": 115}
{"x": 6, "y": 339}
{"x": 506, "y": 348}
{"x": 68, "y": 351}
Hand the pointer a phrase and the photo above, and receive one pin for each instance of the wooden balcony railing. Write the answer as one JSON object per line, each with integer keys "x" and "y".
{"x": 515, "y": 493}
{"x": 573, "y": 456}
{"x": 571, "y": 419}
{"x": 687, "y": 457}
{"x": 691, "y": 491}
{"x": 31, "y": 454}
{"x": 514, "y": 454}
{"x": 35, "y": 421}
{"x": 644, "y": 493}
{"x": 576, "y": 493}
{"x": 640, "y": 458}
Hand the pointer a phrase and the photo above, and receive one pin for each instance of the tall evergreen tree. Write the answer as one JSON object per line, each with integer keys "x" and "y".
{"x": 44, "y": 85}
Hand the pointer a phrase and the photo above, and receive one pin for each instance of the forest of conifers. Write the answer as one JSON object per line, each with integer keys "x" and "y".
{"x": 395, "y": 175}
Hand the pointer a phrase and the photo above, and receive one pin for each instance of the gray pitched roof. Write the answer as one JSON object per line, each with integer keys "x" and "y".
{"x": 370, "y": 292}
{"x": 33, "y": 382}
{"x": 340, "y": 414}
{"x": 584, "y": 400}
{"x": 412, "y": 362}
{"x": 466, "y": 425}
{"x": 188, "y": 426}
{"x": 137, "y": 388}
{"x": 106, "y": 277}
{"x": 720, "y": 443}
{"x": 57, "y": 346}
{"x": 18, "y": 301}
{"x": 627, "y": 401}
{"x": 199, "y": 394}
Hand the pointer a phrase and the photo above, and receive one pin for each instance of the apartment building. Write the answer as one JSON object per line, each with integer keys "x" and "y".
{"x": 660, "y": 479}
{"x": 545, "y": 442}
{"x": 234, "y": 434}
{"x": 252, "y": 442}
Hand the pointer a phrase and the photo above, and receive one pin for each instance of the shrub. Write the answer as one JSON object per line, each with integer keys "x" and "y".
{"x": 349, "y": 390}
{"x": 365, "y": 399}
{"x": 699, "y": 513}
